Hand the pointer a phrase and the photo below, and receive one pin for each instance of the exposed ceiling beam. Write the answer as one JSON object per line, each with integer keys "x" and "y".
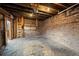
{"x": 26, "y": 5}
{"x": 54, "y": 5}
{"x": 44, "y": 10}
{"x": 4, "y": 12}
{"x": 19, "y": 9}
{"x": 60, "y": 5}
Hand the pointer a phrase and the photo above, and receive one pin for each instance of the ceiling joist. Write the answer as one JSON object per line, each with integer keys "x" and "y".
{"x": 41, "y": 11}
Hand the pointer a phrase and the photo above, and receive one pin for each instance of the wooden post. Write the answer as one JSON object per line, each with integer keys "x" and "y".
{"x": 4, "y": 32}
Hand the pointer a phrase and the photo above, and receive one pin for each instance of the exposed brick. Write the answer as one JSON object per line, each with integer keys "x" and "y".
{"x": 63, "y": 28}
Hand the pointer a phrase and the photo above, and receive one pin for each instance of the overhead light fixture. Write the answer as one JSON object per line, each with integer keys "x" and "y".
{"x": 31, "y": 15}
{"x": 48, "y": 9}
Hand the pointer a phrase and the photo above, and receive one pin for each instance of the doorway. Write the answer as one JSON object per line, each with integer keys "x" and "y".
{"x": 8, "y": 30}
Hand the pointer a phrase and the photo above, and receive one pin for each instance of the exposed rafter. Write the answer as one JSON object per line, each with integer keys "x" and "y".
{"x": 44, "y": 10}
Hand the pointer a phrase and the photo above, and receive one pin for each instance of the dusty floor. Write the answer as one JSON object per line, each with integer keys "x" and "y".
{"x": 36, "y": 46}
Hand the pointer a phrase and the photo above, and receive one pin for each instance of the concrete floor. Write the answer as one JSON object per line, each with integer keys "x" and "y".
{"x": 36, "y": 46}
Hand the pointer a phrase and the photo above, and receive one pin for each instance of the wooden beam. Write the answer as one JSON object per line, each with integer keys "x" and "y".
{"x": 68, "y": 8}
{"x": 60, "y": 5}
{"x": 13, "y": 12}
{"x": 18, "y": 9}
{"x": 4, "y": 12}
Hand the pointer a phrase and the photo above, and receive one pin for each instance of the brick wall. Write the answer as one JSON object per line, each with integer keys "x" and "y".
{"x": 63, "y": 28}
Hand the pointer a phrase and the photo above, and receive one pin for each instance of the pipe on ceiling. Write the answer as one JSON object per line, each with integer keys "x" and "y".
{"x": 68, "y": 8}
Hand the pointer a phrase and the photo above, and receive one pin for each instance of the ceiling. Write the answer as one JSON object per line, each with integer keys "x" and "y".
{"x": 40, "y": 11}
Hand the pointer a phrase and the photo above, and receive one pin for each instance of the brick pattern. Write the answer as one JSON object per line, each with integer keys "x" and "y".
{"x": 63, "y": 28}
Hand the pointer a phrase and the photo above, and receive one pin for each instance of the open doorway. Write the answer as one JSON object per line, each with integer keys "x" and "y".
{"x": 8, "y": 30}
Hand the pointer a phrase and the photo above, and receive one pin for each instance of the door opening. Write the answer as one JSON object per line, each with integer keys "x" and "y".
{"x": 8, "y": 30}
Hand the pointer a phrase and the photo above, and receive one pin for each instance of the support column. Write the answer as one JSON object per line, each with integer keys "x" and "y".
{"x": 4, "y": 31}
